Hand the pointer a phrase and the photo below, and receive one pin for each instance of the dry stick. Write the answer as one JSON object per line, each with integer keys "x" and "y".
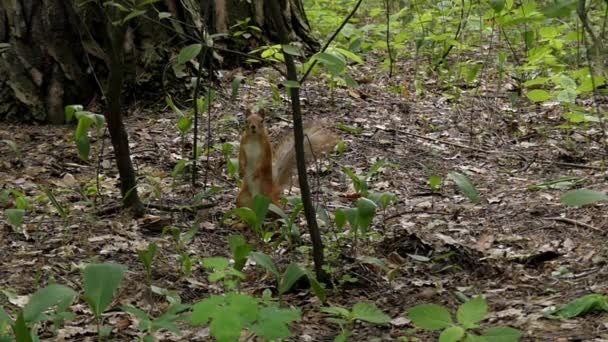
{"x": 333, "y": 36}
{"x": 388, "y": 43}
{"x": 573, "y": 222}
{"x": 208, "y": 147}
{"x": 201, "y": 61}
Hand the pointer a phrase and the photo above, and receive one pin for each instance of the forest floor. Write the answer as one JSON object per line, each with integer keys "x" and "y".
{"x": 519, "y": 247}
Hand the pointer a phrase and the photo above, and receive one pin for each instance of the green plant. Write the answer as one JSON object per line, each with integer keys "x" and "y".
{"x": 24, "y": 327}
{"x": 228, "y": 315}
{"x": 13, "y": 146}
{"x": 360, "y": 182}
{"x": 180, "y": 240}
{"x": 254, "y": 217}
{"x": 435, "y": 317}
{"x": 240, "y": 251}
{"x": 146, "y": 256}
{"x": 361, "y": 311}
{"x": 100, "y": 283}
{"x": 290, "y": 276}
{"x": 167, "y": 321}
{"x": 222, "y": 271}
{"x": 579, "y": 307}
{"x": 465, "y": 185}
{"x": 15, "y": 215}
{"x": 359, "y": 218}
{"x": 582, "y": 197}
{"x": 85, "y": 120}
{"x": 289, "y": 228}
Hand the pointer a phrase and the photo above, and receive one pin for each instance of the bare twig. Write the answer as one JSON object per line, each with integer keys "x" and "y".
{"x": 574, "y": 223}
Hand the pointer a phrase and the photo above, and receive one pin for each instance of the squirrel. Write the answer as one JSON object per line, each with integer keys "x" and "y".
{"x": 267, "y": 172}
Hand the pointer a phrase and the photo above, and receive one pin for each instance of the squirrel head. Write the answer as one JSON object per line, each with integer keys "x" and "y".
{"x": 254, "y": 121}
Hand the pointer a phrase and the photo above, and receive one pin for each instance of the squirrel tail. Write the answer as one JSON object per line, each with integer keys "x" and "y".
{"x": 317, "y": 140}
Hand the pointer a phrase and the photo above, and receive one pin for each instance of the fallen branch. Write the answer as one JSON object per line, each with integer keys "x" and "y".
{"x": 573, "y": 222}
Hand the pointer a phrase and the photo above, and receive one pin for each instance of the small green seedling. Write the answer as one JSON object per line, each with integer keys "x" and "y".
{"x": 587, "y": 304}
{"x": 240, "y": 251}
{"x": 435, "y": 317}
{"x": 360, "y": 182}
{"x": 253, "y": 217}
{"x": 222, "y": 271}
{"x": 146, "y": 256}
{"x": 149, "y": 326}
{"x": 100, "y": 283}
{"x": 361, "y": 311}
{"x": 359, "y": 218}
{"x": 292, "y": 274}
{"x": 465, "y": 185}
{"x": 289, "y": 229}
{"x": 180, "y": 239}
{"x": 86, "y": 120}
{"x": 582, "y": 197}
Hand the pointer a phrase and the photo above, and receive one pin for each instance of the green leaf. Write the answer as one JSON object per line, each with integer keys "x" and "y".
{"x": 435, "y": 182}
{"x": 465, "y": 186}
{"x": 140, "y": 314}
{"x": 13, "y": 146}
{"x": 260, "y": 208}
{"x": 44, "y": 299}
{"x": 336, "y": 311}
{"x": 21, "y": 330}
{"x": 290, "y": 276}
{"x": 70, "y": 110}
{"x": 133, "y": 14}
{"x": 317, "y": 287}
{"x": 430, "y": 316}
{"x": 205, "y": 309}
{"x": 369, "y": 313}
{"x": 497, "y": 5}
{"x": 188, "y": 53}
{"x": 83, "y": 146}
{"x": 350, "y": 55}
{"x": 374, "y": 261}
{"x": 538, "y": 95}
{"x": 226, "y": 326}
{"x": 216, "y": 263}
{"x": 240, "y": 251}
{"x": 559, "y": 8}
{"x": 100, "y": 283}
{"x": 502, "y": 334}
{"x": 472, "y": 312}
{"x": 236, "y": 85}
{"x": 340, "y": 219}
{"x": 451, "y": 334}
{"x": 581, "y": 197}
{"x": 293, "y": 50}
{"x": 245, "y": 214}
{"x": 15, "y": 216}
{"x": 291, "y": 84}
{"x": 265, "y": 261}
{"x": 583, "y": 305}
{"x": 179, "y": 167}
{"x": 366, "y": 210}
{"x": 273, "y": 323}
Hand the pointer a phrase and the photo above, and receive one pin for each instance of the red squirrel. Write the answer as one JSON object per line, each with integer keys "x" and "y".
{"x": 268, "y": 172}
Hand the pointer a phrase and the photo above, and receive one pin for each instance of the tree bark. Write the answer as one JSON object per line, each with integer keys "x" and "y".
{"x": 50, "y": 53}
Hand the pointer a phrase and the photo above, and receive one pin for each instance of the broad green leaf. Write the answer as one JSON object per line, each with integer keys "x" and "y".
{"x": 502, "y": 334}
{"x": 188, "y": 53}
{"x": 133, "y": 14}
{"x": 15, "y": 216}
{"x": 435, "y": 182}
{"x": 46, "y": 298}
{"x": 245, "y": 214}
{"x": 497, "y": 5}
{"x": 350, "y": 55}
{"x": 472, "y": 312}
{"x": 21, "y": 330}
{"x": 340, "y": 219}
{"x": 581, "y": 197}
{"x": 140, "y": 314}
{"x": 245, "y": 306}
{"x": 430, "y": 316}
{"x": 179, "y": 167}
{"x": 290, "y": 276}
{"x": 260, "y": 207}
{"x": 538, "y": 95}
{"x": 83, "y": 146}
{"x": 465, "y": 186}
{"x": 316, "y": 287}
{"x": 374, "y": 261}
{"x": 205, "y": 309}
{"x": 451, "y": 334}
{"x": 216, "y": 263}
{"x": 226, "y": 325}
{"x": 292, "y": 50}
{"x": 100, "y": 283}
{"x": 366, "y": 210}
{"x": 240, "y": 251}
{"x": 4, "y": 317}
{"x": 70, "y": 111}
{"x": 583, "y": 305}
{"x": 265, "y": 261}
{"x": 559, "y": 8}
{"x": 273, "y": 323}
{"x": 369, "y": 313}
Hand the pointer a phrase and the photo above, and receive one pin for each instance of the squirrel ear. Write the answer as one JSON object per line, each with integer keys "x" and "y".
{"x": 262, "y": 112}
{"x": 247, "y": 112}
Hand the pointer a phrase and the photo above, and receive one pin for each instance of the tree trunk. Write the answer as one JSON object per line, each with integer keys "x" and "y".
{"x": 50, "y": 54}
{"x": 42, "y": 68}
